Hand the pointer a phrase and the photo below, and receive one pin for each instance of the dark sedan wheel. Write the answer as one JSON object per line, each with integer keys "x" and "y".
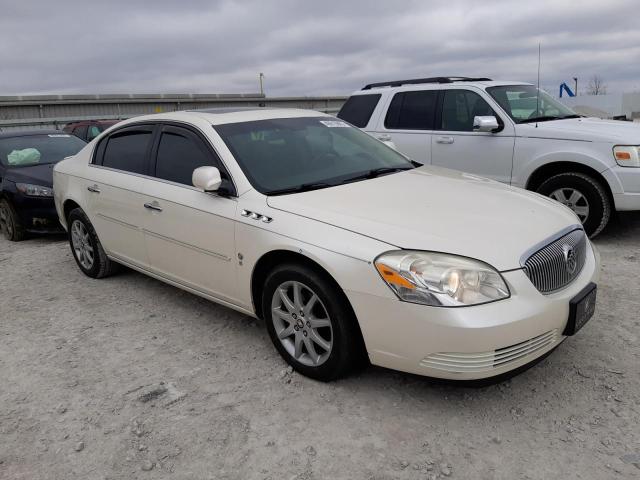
{"x": 86, "y": 247}
{"x": 310, "y": 323}
{"x": 10, "y": 223}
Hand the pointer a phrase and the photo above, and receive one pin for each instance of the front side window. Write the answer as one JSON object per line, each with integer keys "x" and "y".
{"x": 412, "y": 111}
{"x": 460, "y": 107}
{"x": 526, "y": 103}
{"x": 127, "y": 150}
{"x": 29, "y": 150}
{"x": 179, "y": 154}
{"x": 358, "y": 109}
{"x": 284, "y": 154}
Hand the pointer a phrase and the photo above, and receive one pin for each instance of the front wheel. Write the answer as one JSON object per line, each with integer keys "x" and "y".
{"x": 310, "y": 323}
{"x": 86, "y": 247}
{"x": 584, "y": 195}
{"x": 10, "y": 222}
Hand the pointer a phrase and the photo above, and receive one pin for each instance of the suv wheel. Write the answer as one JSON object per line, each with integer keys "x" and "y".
{"x": 10, "y": 222}
{"x": 86, "y": 247}
{"x": 309, "y": 323}
{"x": 584, "y": 195}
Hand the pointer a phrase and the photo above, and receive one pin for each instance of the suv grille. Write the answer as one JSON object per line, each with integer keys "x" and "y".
{"x": 557, "y": 264}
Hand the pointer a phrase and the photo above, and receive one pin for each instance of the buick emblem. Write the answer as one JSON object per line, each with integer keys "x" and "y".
{"x": 570, "y": 261}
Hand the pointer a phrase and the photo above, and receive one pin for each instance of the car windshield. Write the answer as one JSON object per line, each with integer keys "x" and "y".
{"x": 524, "y": 105}
{"x": 29, "y": 150}
{"x": 288, "y": 155}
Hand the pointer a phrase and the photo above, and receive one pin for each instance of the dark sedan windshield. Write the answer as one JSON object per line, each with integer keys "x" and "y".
{"x": 288, "y": 155}
{"x": 525, "y": 103}
{"x": 29, "y": 150}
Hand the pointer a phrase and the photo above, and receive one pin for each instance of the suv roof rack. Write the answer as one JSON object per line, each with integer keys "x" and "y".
{"x": 397, "y": 83}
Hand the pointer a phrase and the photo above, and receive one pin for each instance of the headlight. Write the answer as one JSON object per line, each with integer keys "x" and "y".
{"x": 34, "y": 190}
{"x": 627, "y": 156}
{"x": 440, "y": 279}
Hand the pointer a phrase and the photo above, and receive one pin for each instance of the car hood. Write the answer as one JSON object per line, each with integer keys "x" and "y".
{"x": 36, "y": 174}
{"x": 440, "y": 210}
{"x": 585, "y": 129}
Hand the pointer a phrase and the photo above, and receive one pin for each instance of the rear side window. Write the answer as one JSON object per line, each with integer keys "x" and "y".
{"x": 358, "y": 109}
{"x": 179, "y": 154}
{"x": 128, "y": 151}
{"x": 412, "y": 110}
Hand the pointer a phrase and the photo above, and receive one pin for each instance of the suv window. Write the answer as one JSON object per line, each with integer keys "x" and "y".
{"x": 127, "y": 150}
{"x": 412, "y": 110}
{"x": 93, "y": 132}
{"x": 358, "y": 109}
{"x": 459, "y": 107}
{"x": 80, "y": 131}
{"x": 179, "y": 153}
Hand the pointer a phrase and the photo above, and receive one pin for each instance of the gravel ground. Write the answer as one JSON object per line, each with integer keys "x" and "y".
{"x": 128, "y": 378}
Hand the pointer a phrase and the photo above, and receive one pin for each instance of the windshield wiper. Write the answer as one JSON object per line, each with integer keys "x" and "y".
{"x": 376, "y": 172}
{"x": 570, "y": 116}
{"x": 543, "y": 118}
{"x": 305, "y": 187}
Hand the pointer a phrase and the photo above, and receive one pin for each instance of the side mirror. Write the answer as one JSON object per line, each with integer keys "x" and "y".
{"x": 487, "y": 123}
{"x": 206, "y": 179}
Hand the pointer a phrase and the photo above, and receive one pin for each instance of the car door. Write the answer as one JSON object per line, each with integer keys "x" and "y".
{"x": 189, "y": 234}
{"x": 456, "y": 145}
{"x": 409, "y": 123}
{"x": 115, "y": 200}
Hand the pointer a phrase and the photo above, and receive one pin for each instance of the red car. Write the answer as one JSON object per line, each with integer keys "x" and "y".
{"x": 89, "y": 129}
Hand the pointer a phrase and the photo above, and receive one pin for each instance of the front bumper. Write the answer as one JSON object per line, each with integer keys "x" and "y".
{"x": 37, "y": 214}
{"x": 625, "y": 184}
{"x": 469, "y": 343}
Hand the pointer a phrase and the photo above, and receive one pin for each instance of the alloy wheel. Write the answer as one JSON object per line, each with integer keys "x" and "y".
{"x": 573, "y": 199}
{"x": 302, "y": 323}
{"x": 81, "y": 243}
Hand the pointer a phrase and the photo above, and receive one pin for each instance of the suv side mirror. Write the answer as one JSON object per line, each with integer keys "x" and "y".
{"x": 206, "y": 179}
{"x": 487, "y": 123}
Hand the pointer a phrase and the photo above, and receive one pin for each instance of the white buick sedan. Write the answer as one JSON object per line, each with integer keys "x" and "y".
{"x": 347, "y": 249}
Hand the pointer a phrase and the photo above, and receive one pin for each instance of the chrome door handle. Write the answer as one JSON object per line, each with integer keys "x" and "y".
{"x": 153, "y": 206}
{"x": 445, "y": 140}
{"x": 384, "y": 138}
{"x": 94, "y": 188}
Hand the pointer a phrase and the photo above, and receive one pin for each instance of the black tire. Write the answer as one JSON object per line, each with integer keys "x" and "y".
{"x": 593, "y": 191}
{"x": 10, "y": 224}
{"x": 347, "y": 351}
{"x": 101, "y": 266}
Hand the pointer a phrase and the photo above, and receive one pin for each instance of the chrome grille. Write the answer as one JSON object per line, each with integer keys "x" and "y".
{"x": 549, "y": 267}
{"x": 487, "y": 361}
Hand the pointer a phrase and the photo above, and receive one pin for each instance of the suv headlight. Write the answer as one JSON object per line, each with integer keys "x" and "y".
{"x": 440, "y": 279}
{"x": 626, "y": 155}
{"x": 34, "y": 190}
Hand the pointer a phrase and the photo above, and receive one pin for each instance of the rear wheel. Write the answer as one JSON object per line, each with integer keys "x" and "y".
{"x": 584, "y": 195}
{"x": 86, "y": 247}
{"x": 10, "y": 222}
{"x": 310, "y": 323}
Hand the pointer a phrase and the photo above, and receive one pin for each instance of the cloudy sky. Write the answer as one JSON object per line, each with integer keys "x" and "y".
{"x": 308, "y": 47}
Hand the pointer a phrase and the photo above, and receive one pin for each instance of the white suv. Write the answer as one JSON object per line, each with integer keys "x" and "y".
{"x": 508, "y": 132}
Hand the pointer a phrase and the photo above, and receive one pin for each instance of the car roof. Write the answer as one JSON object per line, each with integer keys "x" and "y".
{"x": 26, "y": 133}
{"x": 220, "y": 116}
{"x": 91, "y": 122}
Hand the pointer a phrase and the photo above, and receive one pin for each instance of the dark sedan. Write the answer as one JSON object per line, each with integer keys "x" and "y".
{"x": 26, "y": 179}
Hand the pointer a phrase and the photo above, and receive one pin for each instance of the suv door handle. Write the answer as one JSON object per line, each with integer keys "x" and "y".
{"x": 153, "y": 206}
{"x": 384, "y": 138}
{"x": 445, "y": 140}
{"x": 94, "y": 188}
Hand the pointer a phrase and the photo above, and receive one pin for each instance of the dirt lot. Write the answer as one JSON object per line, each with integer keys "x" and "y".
{"x": 130, "y": 378}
